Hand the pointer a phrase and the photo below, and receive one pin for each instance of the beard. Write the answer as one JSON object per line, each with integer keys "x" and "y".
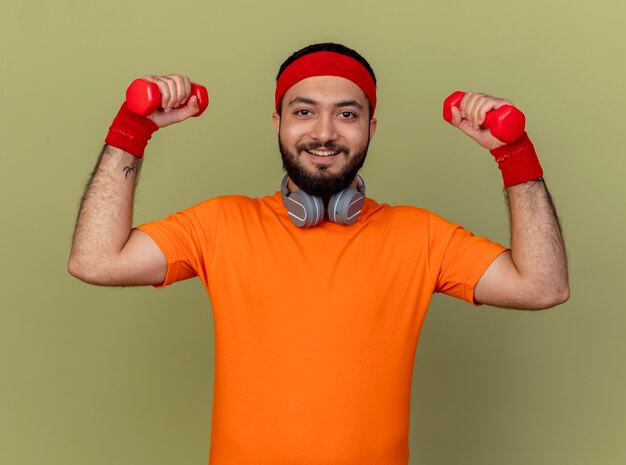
{"x": 321, "y": 182}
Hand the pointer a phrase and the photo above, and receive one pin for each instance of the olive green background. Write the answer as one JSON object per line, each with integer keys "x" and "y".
{"x": 98, "y": 376}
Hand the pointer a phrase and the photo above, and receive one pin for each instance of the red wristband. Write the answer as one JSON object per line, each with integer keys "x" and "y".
{"x": 518, "y": 161}
{"x": 130, "y": 132}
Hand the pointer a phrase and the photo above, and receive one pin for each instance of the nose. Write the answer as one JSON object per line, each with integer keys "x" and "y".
{"x": 324, "y": 128}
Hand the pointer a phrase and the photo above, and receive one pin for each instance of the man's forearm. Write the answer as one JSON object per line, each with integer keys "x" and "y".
{"x": 105, "y": 216}
{"x": 537, "y": 246}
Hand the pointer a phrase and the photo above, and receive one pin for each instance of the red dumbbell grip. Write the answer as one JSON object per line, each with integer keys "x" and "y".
{"x": 506, "y": 123}
{"x": 143, "y": 97}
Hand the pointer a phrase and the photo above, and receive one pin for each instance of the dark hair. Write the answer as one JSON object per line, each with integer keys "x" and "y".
{"x": 326, "y": 47}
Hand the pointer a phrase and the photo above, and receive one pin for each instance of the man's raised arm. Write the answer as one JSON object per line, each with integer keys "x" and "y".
{"x": 533, "y": 274}
{"x": 105, "y": 248}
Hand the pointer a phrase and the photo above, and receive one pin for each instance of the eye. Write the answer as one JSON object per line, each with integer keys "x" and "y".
{"x": 348, "y": 115}
{"x": 303, "y": 112}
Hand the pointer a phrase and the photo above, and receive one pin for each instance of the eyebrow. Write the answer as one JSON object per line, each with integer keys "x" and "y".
{"x": 344, "y": 103}
{"x": 349, "y": 103}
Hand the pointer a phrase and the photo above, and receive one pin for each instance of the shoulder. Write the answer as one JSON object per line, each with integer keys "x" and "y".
{"x": 228, "y": 202}
{"x": 395, "y": 213}
{"x": 408, "y": 220}
{"x": 404, "y": 224}
{"x": 234, "y": 209}
{"x": 242, "y": 202}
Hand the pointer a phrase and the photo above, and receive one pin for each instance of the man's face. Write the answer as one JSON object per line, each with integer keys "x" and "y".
{"x": 323, "y": 133}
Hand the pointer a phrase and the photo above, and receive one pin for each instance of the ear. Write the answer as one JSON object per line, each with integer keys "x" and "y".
{"x": 373, "y": 124}
{"x": 276, "y": 121}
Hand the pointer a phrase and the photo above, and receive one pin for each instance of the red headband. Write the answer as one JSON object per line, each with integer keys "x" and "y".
{"x": 326, "y": 64}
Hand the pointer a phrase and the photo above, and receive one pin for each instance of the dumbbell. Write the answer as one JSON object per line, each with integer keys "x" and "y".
{"x": 506, "y": 123}
{"x": 144, "y": 97}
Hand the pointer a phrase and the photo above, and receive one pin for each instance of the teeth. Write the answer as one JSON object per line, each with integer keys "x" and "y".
{"x": 322, "y": 153}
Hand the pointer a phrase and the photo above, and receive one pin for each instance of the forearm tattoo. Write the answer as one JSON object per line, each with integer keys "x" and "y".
{"x": 132, "y": 168}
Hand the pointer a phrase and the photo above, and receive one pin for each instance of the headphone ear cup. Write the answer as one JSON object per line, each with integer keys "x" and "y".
{"x": 305, "y": 210}
{"x": 344, "y": 207}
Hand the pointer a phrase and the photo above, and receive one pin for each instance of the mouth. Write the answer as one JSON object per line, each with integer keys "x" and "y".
{"x": 323, "y": 153}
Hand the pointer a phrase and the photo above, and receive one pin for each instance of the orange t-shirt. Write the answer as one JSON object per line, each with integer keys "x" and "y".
{"x": 316, "y": 329}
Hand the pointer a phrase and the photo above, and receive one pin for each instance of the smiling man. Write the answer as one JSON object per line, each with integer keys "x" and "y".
{"x": 318, "y": 293}
{"x": 334, "y": 134}
{"x": 324, "y": 131}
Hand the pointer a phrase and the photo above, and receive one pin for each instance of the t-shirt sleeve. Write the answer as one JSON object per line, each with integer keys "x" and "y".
{"x": 187, "y": 239}
{"x": 458, "y": 259}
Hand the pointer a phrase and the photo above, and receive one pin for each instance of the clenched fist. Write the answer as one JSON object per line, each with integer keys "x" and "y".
{"x": 471, "y": 114}
{"x": 175, "y": 90}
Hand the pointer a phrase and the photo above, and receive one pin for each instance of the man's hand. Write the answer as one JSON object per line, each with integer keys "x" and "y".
{"x": 105, "y": 248}
{"x": 175, "y": 90}
{"x": 533, "y": 275}
{"x": 471, "y": 114}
